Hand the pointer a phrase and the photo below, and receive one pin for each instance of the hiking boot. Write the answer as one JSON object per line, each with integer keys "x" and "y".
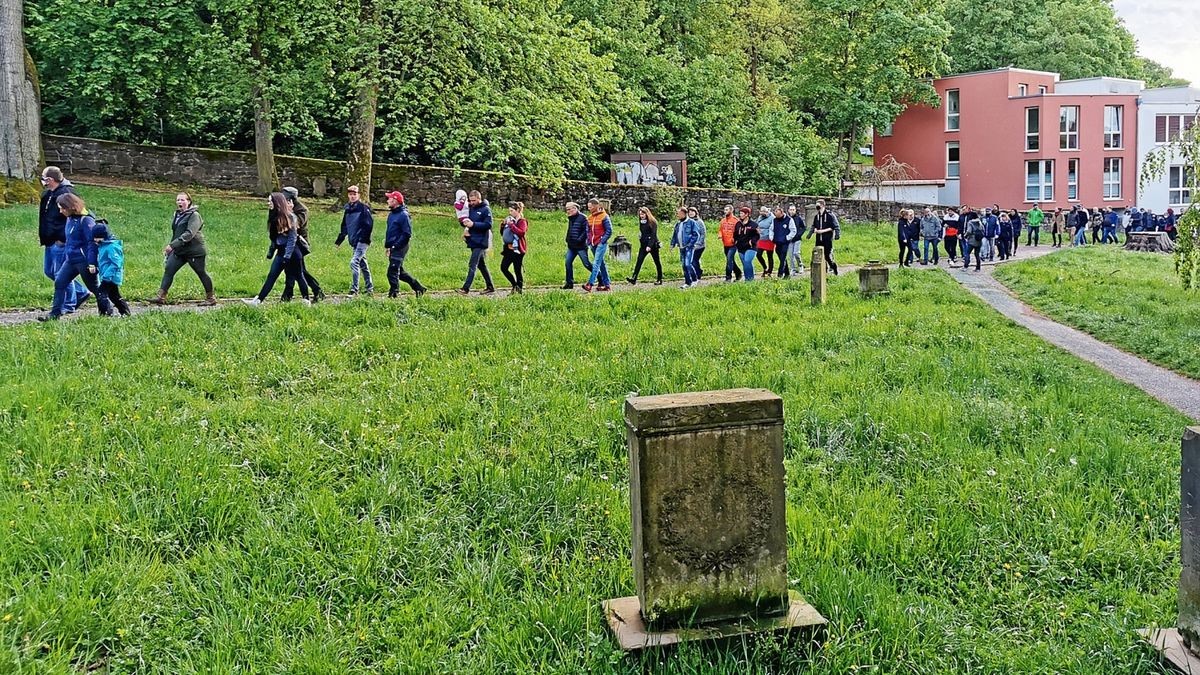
{"x": 632, "y": 280}
{"x": 587, "y": 288}
{"x": 160, "y": 299}
{"x": 210, "y": 300}
{"x": 567, "y": 287}
{"x": 487, "y": 291}
{"x": 462, "y": 291}
{"x": 605, "y": 288}
{"x": 419, "y": 291}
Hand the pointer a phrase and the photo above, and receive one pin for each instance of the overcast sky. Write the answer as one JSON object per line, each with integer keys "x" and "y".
{"x": 1165, "y": 31}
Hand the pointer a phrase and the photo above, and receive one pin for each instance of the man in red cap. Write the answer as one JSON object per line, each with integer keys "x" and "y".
{"x": 399, "y": 235}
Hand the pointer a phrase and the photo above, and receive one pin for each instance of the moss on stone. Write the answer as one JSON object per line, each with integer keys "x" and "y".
{"x": 17, "y": 191}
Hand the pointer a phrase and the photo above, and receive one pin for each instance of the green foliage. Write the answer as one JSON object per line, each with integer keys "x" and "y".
{"x": 1185, "y": 151}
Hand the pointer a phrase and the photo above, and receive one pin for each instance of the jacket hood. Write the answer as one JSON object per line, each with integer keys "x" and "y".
{"x": 101, "y": 232}
{"x": 460, "y": 196}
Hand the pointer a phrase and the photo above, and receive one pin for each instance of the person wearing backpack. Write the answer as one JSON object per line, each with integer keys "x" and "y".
{"x": 110, "y": 267}
{"x": 52, "y": 233}
{"x": 301, "y": 211}
{"x": 973, "y": 236}
{"x": 80, "y": 256}
{"x": 795, "y": 257}
{"x": 186, "y": 248}
{"x": 284, "y": 253}
{"x": 783, "y": 230}
{"x": 827, "y": 229}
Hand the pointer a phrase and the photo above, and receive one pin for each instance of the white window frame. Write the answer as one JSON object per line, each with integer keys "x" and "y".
{"x": 1043, "y": 187}
{"x": 1065, "y": 135}
{"x": 1114, "y": 139}
{"x": 953, "y": 110}
{"x": 1180, "y": 183}
{"x": 1184, "y": 121}
{"x": 956, "y": 173}
{"x": 1042, "y": 89}
{"x": 1072, "y": 180}
{"x": 1033, "y": 139}
{"x": 1112, "y": 189}
{"x": 1022, "y": 90}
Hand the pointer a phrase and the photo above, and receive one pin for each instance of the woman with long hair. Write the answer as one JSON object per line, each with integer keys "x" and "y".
{"x": 285, "y": 253}
{"x": 648, "y": 244}
{"x": 186, "y": 248}
{"x": 513, "y": 255}
{"x": 81, "y": 257}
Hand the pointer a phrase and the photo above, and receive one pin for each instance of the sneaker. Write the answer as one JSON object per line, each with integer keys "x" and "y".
{"x": 631, "y": 280}
{"x": 487, "y": 291}
{"x": 461, "y": 291}
{"x": 306, "y": 302}
{"x": 587, "y": 288}
{"x": 567, "y": 287}
{"x": 253, "y": 302}
{"x": 685, "y": 286}
{"x": 370, "y": 290}
{"x": 519, "y": 290}
{"x": 353, "y": 293}
{"x": 318, "y": 296}
{"x": 47, "y": 317}
{"x": 604, "y": 288}
{"x": 658, "y": 283}
{"x": 420, "y": 291}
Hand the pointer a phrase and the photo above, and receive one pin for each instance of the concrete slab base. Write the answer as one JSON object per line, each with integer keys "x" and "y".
{"x": 624, "y": 618}
{"x": 1169, "y": 645}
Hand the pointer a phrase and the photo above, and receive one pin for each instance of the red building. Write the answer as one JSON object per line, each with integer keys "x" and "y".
{"x": 1015, "y": 137}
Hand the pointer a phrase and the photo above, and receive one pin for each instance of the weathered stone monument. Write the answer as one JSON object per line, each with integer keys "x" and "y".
{"x": 818, "y": 275}
{"x": 1180, "y": 646}
{"x": 1149, "y": 242}
{"x": 706, "y": 493}
{"x": 873, "y": 278}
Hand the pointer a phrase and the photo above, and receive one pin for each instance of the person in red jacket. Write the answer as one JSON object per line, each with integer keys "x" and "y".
{"x": 513, "y": 256}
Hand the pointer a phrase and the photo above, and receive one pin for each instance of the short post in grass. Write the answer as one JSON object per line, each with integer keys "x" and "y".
{"x": 1180, "y": 646}
{"x": 818, "y": 275}
{"x": 706, "y": 492}
{"x": 873, "y": 278}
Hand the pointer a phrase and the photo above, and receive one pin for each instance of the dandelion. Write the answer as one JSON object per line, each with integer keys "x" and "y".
{"x": 1007, "y": 566}
{"x": 1017, "y": 575}
{"x": 1074, "y": 462}
{"x": 1052, "y": 451}
{"x": 991, "y": 472}
{"x": 7, "y": 618}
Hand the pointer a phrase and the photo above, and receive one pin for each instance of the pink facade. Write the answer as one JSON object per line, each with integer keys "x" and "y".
{"x": 999, "y": 162}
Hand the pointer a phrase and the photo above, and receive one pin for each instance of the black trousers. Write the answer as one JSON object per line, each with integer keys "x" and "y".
{"x": 1056, "y": 237}
{"x": 113, "y": 293}
{"x": 514, "y": 260}
{"x": 826, "y": 244}
{"x": 767, "y": 260}
{"x": 653, "y": 253}
{"x": 292, "y": 269}
{"x": 972, "y": 250}
{"x": 396, "y": 273}
{"x": 289, "y": 289}
{"x": 1032, "y": 236}
{"x": 175, "y": 263}
{"x": 951, "y": 244}
{"x": 781, "y": 250}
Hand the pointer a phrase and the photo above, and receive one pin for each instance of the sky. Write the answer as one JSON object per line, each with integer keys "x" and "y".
{"x": 1165, "y": 31}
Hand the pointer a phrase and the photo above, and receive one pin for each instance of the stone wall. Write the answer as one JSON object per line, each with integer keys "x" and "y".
{"x": 421, "y": 185}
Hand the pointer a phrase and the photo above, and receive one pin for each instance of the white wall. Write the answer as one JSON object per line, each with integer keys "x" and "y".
{"x": 910, "y": 194}
{"x": 1178, "y": 100}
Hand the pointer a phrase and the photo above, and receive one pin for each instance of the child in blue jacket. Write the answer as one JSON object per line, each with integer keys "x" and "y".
{"x": 110, "y": 267}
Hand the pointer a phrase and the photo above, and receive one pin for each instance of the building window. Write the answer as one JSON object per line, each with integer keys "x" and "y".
{"x": 1032, "y": 127}
{"x": 1073, "y": 180}
{"x": 1168, "y": 127}
{"x": 886, "y": 131}
{"x": 1112, "y": 177}
{"x": 1042, "y": 89}
{"x": 1068, "y": 127}
{"x": 1022, "y": 90}
{"x": 1180, "y": 186}
{"x": 952, "y": 160}
{"x": 1112, "y": 126}
{"x": 1039, "y": 181}
{"x": 951, "y": 110}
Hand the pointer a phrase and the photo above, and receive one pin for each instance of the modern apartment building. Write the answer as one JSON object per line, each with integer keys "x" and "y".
{"x": 1163, "y": 114}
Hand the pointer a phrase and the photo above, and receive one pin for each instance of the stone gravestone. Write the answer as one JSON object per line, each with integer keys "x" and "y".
{"x": 709, "y": 531}
{"x": 873, "y": 278}
{"x": 818, "y": 275}
{"x": 1180, "y": 646}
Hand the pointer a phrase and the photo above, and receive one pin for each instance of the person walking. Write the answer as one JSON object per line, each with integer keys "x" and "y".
{"x": 1112, "y": 221}
{"x": 795, "y": 259}
{"x": 765, "y": 245}
{"x": 973, "y": 238}
{"x": 991, "y": 229}
{"x": 186, "y": 248}
{"x": 577, "y": 236}
{"x": 648, "y": 245}
{"x": 301, "y": 211}
{"x": 783, "y": 230}
{"x": 1080, "y": 220}
{"x": 1035, "y": 218}
{"x": 931, "y": 235}
{"x": 512, "y": 235}
{"x": 80, "y": 257}
{"x": 284, "y": 252}
{"x": 1058, "y": 224}
{"x": 479, "y": 233}
{"x": 701, "y": 242}
{"x": 733, "y": 261}
{"x": 52, "y": 234}
{"x": 902, "y": 233}
{"x": 357, "y": 225}
{"x": 599, "y": 232}
{"x": 110, "y": 267}
{"x": 396, "y": 241}
{"x": 950, "y": 224}
{"x": 745, "y": 236}
{"x": 1004, "y": 236}
{"x": 1014, "y": 220}
{"x": 965, "y": 215}
{"x": 827, "y": 229}
{"x": 684, "y": 238}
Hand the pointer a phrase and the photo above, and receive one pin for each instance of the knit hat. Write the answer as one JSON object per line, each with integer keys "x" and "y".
{"x": 291, "y": 192}
{"x": 101, "y": 232}
{"x": 397, "y": 195}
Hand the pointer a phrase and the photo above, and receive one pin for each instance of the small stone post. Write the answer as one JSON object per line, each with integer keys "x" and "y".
{"x": 1189, "y": 539}
{"x": 818, "y": 275}
{"x": 706, "y": 491}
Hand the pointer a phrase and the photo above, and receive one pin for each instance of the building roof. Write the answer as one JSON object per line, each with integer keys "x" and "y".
{"x": 1001, "y": 70}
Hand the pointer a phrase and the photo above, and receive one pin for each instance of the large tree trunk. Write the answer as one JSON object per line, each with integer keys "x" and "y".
{"x": 20, "y": 111}
{"x": 264, "y": 141}
{"x": 366, "y": 100}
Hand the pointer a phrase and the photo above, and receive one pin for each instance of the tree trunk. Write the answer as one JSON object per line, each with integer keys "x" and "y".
{"x": 366, "y": 101}
{"x": 264, "y": 138}
{"x": 20, "y": 111}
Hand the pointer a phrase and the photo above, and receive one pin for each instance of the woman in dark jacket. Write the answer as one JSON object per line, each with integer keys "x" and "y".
{"x": 745, "y": 239}
{"x": 81, "y": 257}
{"x": 186, "y": 248}
{"x": 647, "y": 244}
{"x": 284, "y": 254}
{"x": 903, "y": 231}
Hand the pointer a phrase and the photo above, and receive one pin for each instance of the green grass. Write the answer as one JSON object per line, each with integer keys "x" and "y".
{"x": 441, "y": 486}
{"x": 235, "y": 232}
{"x": 1127, "y": 299}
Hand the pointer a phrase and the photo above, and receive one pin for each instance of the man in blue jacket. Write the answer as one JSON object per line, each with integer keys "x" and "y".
{"x": 478, "y": 238}
{"x": 991, "y": 229}
{"x": 577, "y": 236}
{"x": 357, "y": 224}
{"x": 52, "y": 226}
{"x": 396, "y": 241}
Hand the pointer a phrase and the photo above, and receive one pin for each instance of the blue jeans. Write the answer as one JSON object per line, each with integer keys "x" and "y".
{"x": 747, "y": 263}
{"x": 599, "y": 267}
{"x": 52, "y": 261}
{"x": 732, "y": 260}
{"x": 293, "y": 271}
{"x": 1109, "y": 233}
{"x": 358, "y": 262}
{"x": 930, "y": 243}
{"x": 478, "y": 262}
{"x": 1080, "y": 237}
{"x": 685, "y": 259}
{"x": 571, "y": 255}
{"x": 63, "y": 281}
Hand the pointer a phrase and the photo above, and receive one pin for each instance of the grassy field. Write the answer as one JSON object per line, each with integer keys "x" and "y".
{"x": 235, "y": 231}
{"x": 441, "y": 486}
{"x": 1130, "y": 300}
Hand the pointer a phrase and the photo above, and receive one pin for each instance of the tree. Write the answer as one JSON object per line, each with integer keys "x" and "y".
{"x": 1155, "y": 74}
{"x": 866, "y": 60}
{"x": 364, "y": 78}
{"x": 20, "y": 111}
{"x": 1185, "y": 151}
